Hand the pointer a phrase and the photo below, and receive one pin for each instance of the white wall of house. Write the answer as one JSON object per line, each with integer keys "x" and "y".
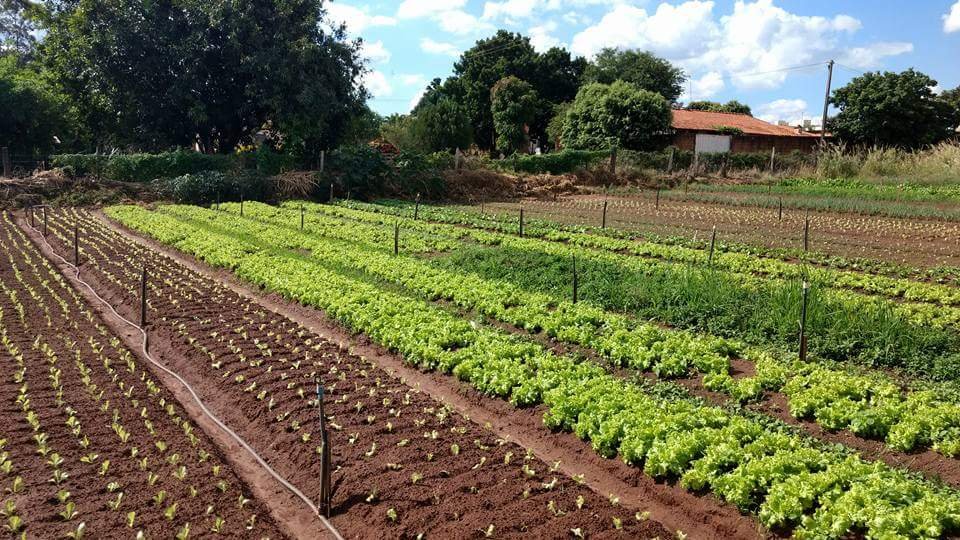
{"x": 711, "y": 144}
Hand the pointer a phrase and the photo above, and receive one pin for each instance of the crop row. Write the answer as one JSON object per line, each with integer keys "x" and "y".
{"x": 413, "y": 463}
{"x": 843, "y": 326}
{"x": 740, "y": 262}
{"x": 96, "y": 445}
{"x": 784, "y": 479}
{"x": 869, "y": 405}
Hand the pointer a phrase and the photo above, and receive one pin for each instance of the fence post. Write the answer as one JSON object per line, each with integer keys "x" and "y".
{"x": 396, "y": 238}
{"x": 613, "y": 159}
{"x": 5, "y": 156}
{"x": 806, "y": 233}
{"x": 780, "y": 213}
{"x": 241, "y": 205}
{"x": 322, "y": 160}
{"x": 670, "y": 162}
{"x": 76, "y": 243}
{"x": 657, "y": 204}
{"x": 44, "y": 221}
{"x": 143, "y": 298}
{"x": 521, "y": 222}
{"x": 331, "y": 192}
{"x": 325, "y": 462}
{"x": 33, "y": 213}
{"x": 713, "y": 241}
{"x": 301, "y": 217}
{"x": 416, "y": 209}
{"x": 803, "y": 323}
{"x": 773, "y": 155}
{"x": 575, "y": 281}
{"x": 603, "y": 221}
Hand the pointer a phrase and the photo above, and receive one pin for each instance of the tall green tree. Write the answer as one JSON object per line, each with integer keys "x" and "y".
{"x": 732, "y": 106}
{"x": 158, "y": 73}
{"x": 892, "y": 109}
{"x": 620, "y": 113}
{"x": 640, "y": 68}
{"x": 513, "y": 106}
{"x": 952, "y": 97}
{"x": 554, "y": 75}
{"x": 18, "y": 27}
{"x": 35, "y": 115}
{"x": 437, "y": 126}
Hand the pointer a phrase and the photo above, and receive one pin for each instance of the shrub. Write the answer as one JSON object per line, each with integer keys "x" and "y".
{"x": 144, "y": 167}
{"x": 564, "y": 161}
{"x": 835, "y": 162}
{"x": 269, "y": 163}
{"x": 361, "y": 171}
{"x": 421, "y": 173}
{"x": 209, "y": 186}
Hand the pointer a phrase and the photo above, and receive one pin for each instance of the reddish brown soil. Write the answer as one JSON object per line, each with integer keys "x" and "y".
{"x": 916, "y": 242}
{"x": 61, "y": 321}
{"x": 410, "y": 428}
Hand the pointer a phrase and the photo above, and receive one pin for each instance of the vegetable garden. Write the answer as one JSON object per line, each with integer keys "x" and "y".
{"x": 710, "y": 408}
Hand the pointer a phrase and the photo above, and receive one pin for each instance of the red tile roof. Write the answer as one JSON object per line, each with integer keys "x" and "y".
{"x": 710, "y": 121}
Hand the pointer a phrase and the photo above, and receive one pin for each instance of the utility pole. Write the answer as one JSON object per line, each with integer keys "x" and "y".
{"x": 826, "y": 102}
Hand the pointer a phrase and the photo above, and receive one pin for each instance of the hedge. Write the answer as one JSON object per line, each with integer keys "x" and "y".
{"x": 143, "y": 167}
{"x": 564, "y": 161}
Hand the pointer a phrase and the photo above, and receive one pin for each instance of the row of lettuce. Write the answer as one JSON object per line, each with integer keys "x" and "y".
{"x": 726, "y": 259}
{"x": 843, "y": 326}
{"x": 868, "y": 405}
{"x": 784, "y": 479}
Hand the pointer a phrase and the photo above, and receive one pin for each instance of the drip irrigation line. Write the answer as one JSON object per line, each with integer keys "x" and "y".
{"x": 290, "y": 487}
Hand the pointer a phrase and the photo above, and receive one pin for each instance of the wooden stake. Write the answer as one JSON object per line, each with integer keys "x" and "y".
{"x": 713, "y": 241}
{"x": 241, "y": 205}
{"x": 143, "y": 298}
{"x": 521, "y": 222}
{"x": 396, "y": 238}
{"x": 76, "y": 244}
{"x": 44, "y": 221}
{"x": 603, "y": 222}
{"x": 658, "y": 199}
{"x": 803, "y": 323}
{"x": 806, "y": 234}
{"x": 326, "y": 493}
{"x": 331, "y": 192}
{"x": 33, "y": 212}
{"x": 670, "y": 162}
{"x": 780, "y": 213}
{"x": 575, "y": 281}
{"x": 301, "y": 217}
{"x": 773, "y": 155}
{"x": 416, "y": 209}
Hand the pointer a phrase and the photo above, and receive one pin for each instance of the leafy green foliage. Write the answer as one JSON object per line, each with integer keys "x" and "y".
{"x": 618, "y": 113}
{"x": 892, "y": 109}
{"x": 640, "y": 68}
{"x": 513, "y": 105}
{"x": 732, "y": 106}
{"x": 144, "y": 167}
{"x": 438, "y": 126}
{"x": 34, "y": 111}
{"x": 564, "y": 161}
{"x": 360, "y": 170}
{"x": 211, "y": 186}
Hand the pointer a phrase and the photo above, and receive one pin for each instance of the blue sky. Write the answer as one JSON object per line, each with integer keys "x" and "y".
{"x": 769, "y": 54}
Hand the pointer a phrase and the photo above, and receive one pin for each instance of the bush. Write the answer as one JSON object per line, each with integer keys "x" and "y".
{"x": 210, "y": 186}
{"x": 564, "y": 161}
{"x": 360, "y": 171}
{"x": 421, "y": 173}
{"x": 144, "y": 167}
{"x": 269, "y": 163}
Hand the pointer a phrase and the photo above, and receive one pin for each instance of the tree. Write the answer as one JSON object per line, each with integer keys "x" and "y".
{"x": 34, "y": 112}
{"x": 554, "y": 75}
{"x": 513, "y": 106}
{"x": 441, "y": 125}
{"x": 153, "y": 74}
{"x": 732, "y": 106}
{"x": 17, "y": 27}
{"x": 557, "y": 122}
{"x": 952, "y": 97}
{"x": 640, "y": 68}
{"x": 620, "y": 113}
{"x": 892, "y": 109}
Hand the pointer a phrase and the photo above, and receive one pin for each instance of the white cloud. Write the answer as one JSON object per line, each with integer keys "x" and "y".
{"x": 438, "y": 47}
{"x": 413, "y": 9}
{"x": 460, "y": 22}
{"x": 704, "y": 87}
{"x": 871, "y": 56}
{"x": 793, "y": 111}
{"x": 751, "y": 45}
{"x": 375, "y": 52}
{"x": 376, "y": 82}
{"x": 356, "y": 19}
{"x": 951, "y": 21}
{"x": 511, "y": 9}
{"x": 541, "y": 38}
{"x": 412, "y": 79}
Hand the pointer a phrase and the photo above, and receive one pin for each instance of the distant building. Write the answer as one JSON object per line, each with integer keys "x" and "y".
{"x": 707, "y": 132}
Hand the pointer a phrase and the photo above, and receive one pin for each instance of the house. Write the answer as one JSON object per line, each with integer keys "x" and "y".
{"x": 707, "y": 131}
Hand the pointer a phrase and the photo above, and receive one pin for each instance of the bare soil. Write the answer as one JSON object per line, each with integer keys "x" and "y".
{"x": 393, "y": 444}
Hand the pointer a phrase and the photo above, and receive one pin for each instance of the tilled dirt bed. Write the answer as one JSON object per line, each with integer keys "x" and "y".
{"x": 406, "y": 464}
{"x": 917, "y": 242}
{"x": 90, "y": 442}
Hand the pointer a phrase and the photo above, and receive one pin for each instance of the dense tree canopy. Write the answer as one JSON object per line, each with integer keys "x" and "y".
{"x": 620, "y": 114}
{"x": 732, "y": 106}
{"x": 892, "y": 109}
{"x": 17, "y": 27}
{"x": 157, "y": 73}
{"x": 436, "y": 126}
{"x": 952, "y": 97}
{"x": 34, "y": 113}
{"x": 513, "y": 106}
{"x": 554, "y": 75}
{"x": 640, "y": 68}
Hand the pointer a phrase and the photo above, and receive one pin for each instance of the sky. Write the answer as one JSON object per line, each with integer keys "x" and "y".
{"x": 769, "y": 54}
